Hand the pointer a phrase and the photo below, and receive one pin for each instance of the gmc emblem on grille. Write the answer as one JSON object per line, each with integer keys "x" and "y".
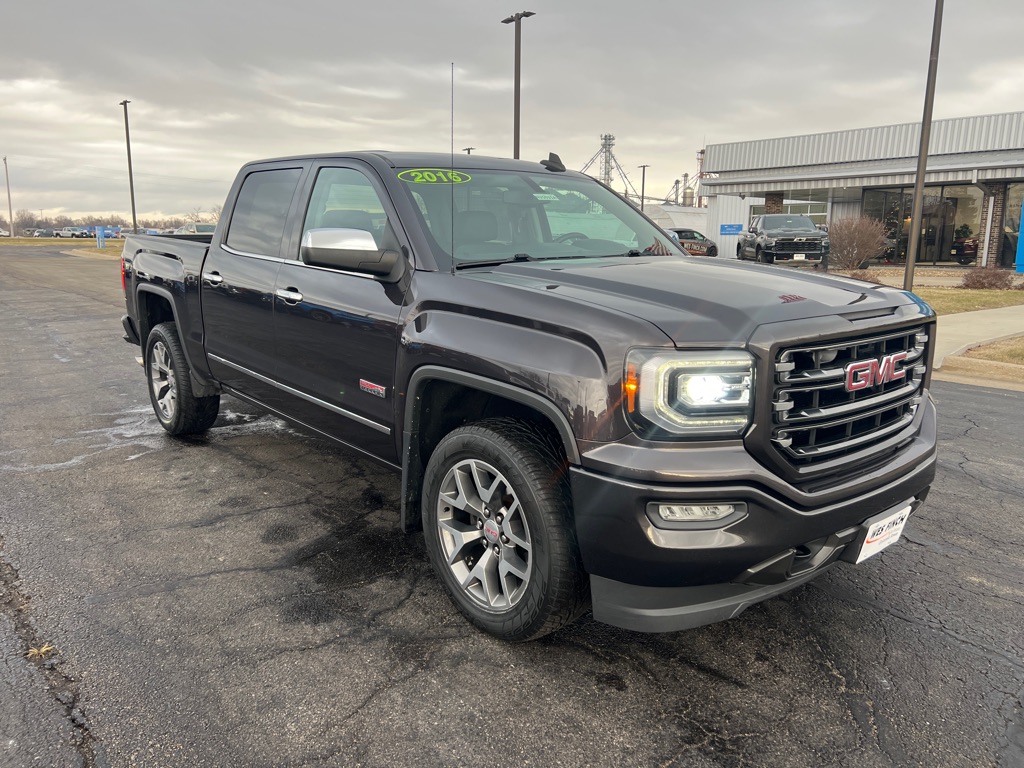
{"x": 867, "y": 373}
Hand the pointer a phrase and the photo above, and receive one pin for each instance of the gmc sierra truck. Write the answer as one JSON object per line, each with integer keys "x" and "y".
{"x": 582, "y": 415}
{"x": 781, "y": 238}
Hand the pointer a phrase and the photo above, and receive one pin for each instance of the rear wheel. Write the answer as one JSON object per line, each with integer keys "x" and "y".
{"x": 498, "y": 529}
{"x": 178, "y": 410}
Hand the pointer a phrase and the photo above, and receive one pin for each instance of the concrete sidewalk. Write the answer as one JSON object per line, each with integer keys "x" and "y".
{"x": 958, "y": 333}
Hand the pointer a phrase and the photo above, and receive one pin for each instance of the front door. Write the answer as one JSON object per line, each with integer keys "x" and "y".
{"x": 337, "y": 332}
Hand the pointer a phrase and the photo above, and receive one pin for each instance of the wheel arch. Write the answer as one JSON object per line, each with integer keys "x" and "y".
{"x": 440, "y": 399}
{"x": 156, "y": 305}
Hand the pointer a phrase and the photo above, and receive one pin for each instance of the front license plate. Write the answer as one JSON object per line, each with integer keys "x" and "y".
{"x": 799, "y": 256}
{"x": 883, "y": 530}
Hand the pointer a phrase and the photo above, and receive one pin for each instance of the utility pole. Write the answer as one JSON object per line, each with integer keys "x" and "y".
{"x": 643, "y": 183}
{"x": 517, "y": 19}
{"x": 468, "y": 150}
{"x": 922, "y": 153}
{"x": 10, "y": 210}
{"x": 131, "y": 178}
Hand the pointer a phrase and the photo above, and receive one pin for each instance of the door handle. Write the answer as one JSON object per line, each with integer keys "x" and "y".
{"x": 213, "y": 278}
{"x": 288, "y": 295}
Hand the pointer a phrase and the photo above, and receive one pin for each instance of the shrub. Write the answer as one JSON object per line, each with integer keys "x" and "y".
{"x": 987, "y": 278}
{"x": 855, "y": 241}
{"x": 867, "y": 277}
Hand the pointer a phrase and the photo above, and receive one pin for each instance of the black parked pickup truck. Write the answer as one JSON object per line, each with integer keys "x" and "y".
{"x": 582, "y": 414}
{"x": 781, "y": 238}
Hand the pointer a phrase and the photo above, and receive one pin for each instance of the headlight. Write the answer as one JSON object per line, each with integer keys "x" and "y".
{"x": 825, "y": 243}
{"x": 769, "y": 241}
{"x": 689, "y": 394}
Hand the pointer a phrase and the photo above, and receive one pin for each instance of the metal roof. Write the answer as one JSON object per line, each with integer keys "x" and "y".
{"x": 889, "y": 142}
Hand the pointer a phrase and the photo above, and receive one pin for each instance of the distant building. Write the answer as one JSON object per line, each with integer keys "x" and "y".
{"x": 974, "y": 184}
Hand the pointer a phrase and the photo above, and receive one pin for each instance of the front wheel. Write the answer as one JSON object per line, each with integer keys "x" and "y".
{"x": 178, "y": 410}
{"x": 712, "y": 252}
{"x": 498, "y": 529}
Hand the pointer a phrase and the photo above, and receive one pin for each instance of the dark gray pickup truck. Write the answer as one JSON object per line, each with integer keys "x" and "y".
{"x": 583, "y": 415}
{"x": 782, "y": 238}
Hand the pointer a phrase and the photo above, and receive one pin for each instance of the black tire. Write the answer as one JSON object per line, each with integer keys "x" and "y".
{"x": 170, "y": 385}
{"x": 712, "y": 252}
{"x": 759, "y": 257}
{"x": 739, "y": 252}
{"x": 522, "y": 469}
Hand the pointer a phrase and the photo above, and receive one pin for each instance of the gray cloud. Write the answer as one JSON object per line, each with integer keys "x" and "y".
{"x": 213, "y": 85}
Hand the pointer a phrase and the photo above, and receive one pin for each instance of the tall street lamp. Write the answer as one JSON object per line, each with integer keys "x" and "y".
{"x": 517, "y": 19}
{"x": 922, "y": 153}
{"x": 10, "y": 211}
{"x": 643, "y": 183}
{"x": 131, "y": 178}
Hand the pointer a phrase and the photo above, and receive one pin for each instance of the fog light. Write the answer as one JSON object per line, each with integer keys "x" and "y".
{"x": 696, "y": 513}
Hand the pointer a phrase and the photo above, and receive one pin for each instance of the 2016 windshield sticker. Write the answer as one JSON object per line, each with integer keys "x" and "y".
{"x": 434, "y": 176}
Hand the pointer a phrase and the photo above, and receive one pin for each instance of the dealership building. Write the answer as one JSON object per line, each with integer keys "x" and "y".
{"x": 972, "y": 197}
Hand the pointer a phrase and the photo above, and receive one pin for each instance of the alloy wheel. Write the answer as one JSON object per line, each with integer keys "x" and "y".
{"x": 484, "y": 535}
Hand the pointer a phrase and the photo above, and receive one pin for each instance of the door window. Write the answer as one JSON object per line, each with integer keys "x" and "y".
{"x": 344, "y": 198}
{"x": 261, "y": 211}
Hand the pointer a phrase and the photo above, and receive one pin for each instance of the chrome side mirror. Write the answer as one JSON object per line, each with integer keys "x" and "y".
{"x": 353, "y": 250}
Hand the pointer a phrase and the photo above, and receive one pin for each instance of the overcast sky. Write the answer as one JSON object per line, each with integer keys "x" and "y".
{"x": 215, "y": 84}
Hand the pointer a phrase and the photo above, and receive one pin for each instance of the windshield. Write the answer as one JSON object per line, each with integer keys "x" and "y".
{"x": 793, "y": 223}
{"x": 506, "y": 215}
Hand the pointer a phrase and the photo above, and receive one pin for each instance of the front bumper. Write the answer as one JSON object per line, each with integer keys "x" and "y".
{"x": 659, "y": 577}
{"x": 790, "y": 258}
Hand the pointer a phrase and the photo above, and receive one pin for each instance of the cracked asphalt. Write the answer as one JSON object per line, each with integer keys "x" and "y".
{"x": 245, "y": 599}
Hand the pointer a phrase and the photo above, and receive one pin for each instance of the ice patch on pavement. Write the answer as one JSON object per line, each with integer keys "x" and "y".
{"x": 138, "y": 427}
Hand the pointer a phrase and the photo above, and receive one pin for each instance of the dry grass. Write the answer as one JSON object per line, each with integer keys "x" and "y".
{"x": 949, "y": 301}
{"x": 1006, "y": 351}
{"x": 113, "y": 247}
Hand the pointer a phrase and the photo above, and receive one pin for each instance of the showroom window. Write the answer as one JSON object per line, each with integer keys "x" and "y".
{"x": 1011, "y": 225}
{"x": 951, "y": 226}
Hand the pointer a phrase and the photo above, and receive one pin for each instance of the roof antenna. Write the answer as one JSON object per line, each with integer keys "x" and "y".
{"x": 553, "y": 163}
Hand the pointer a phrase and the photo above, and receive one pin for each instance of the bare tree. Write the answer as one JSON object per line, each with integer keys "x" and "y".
{"x": 855, "y": 241}
{"x": 195, "y": 215}
{"x": 215, "y": 213}
{"x": 23, "y": 219}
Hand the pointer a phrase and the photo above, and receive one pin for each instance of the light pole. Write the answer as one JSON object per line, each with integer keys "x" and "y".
{"x": 10, "y": 210}
{"x": 131, "y": 179}
{"x": 468, "y": 150}
{"x": 643, "y": 183}
{"x": 922, "y": 153}
{"x": 517, "y": 19}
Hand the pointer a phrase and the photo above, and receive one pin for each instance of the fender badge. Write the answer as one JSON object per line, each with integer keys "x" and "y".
{"x": 373, "y": 389}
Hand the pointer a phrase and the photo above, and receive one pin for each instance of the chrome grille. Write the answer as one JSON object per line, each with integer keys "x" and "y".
{"x": 815, "y": 418}
{"x": 789, "y": 245}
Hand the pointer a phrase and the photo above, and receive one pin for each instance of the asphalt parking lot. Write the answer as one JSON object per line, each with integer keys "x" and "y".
{"x": 245, "y": 599}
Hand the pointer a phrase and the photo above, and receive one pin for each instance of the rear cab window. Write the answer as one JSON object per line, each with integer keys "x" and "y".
{"x": 261, "y": 211}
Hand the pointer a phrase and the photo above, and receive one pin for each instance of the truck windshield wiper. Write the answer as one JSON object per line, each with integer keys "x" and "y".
{"x": 495, "y": 262}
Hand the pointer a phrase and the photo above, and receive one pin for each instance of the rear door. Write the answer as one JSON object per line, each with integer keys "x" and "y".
{"x": 238, "y": 281}
{"x": 337, "y": 332}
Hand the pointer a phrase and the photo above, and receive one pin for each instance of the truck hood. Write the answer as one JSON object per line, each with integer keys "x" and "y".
{"x": 696, "y": 300}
